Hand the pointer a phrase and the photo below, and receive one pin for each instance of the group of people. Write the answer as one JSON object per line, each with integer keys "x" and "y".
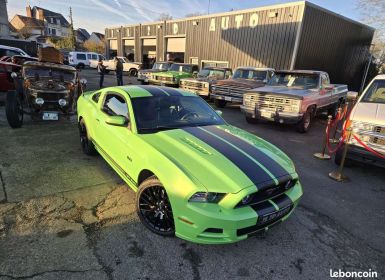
{"x": 118, "y": 71}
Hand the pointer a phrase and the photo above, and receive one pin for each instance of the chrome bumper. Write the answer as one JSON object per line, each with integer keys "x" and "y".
{"x": 275, "y": 116}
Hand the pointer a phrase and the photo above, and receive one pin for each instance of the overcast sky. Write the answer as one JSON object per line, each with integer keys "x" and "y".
{"x": 95, "y": 15}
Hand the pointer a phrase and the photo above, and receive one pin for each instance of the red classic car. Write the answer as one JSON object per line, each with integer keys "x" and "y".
{"x": 6, "y": 81}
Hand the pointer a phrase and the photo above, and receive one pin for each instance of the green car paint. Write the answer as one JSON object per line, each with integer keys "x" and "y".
{"x": 172, "y": 78}
{"x": 209, "y": 159}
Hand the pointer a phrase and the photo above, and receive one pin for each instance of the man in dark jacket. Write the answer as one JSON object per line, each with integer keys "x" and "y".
{"x": 119, "y": 71}
{"x": 101, "y": 70}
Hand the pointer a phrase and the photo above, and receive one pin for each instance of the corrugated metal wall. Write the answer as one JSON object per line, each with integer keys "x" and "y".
{"x": 331, "y": 43}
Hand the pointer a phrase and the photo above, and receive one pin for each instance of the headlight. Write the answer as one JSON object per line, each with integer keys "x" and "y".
{"x": 39, "y": 101}
{"x": 62, "y": 102}
{"x": 208, "y": 197}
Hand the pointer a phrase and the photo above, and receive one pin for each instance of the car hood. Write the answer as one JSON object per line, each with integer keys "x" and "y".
{"x": 223, "y": 158}
{"x": 245, "y": 83}
{"x": 283, "y": 90}
{"x": 369, "y": 113}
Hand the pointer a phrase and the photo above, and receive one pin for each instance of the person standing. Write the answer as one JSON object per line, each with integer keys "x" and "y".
{"x": 101, "y": 70}
{"x": 119, "y": 71}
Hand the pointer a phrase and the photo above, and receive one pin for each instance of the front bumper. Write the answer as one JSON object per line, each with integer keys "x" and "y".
{"x": 202, "y": 92}
{"x": 163, "y": 83}
{"x": 213, "y": 224}
{"x": 358, "y": 153}
{"x": 275, "y": 116}
{"x": 227, "y": 98}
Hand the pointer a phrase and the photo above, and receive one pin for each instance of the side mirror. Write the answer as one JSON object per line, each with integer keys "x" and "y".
{"x": 117, "y": 121}
{"x": 352, "y": 95}
{"x": 219, "y": 112}
{"x": 14, "y": 75}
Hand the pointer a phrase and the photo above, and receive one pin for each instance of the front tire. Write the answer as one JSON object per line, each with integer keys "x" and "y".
{"x": 87, "y": 146}
{"x": 304, "y": 125}
{"x": 251, "y": 120}
{"x": 133, "y": 73}
{"x": 14, "y": 110}
{"x": 153, "y": 207}
{"x": 220, "y": 103}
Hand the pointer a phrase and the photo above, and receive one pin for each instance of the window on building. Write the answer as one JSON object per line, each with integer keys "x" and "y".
{"x": 53, "y": 31}
{"x": 58, "y": 21}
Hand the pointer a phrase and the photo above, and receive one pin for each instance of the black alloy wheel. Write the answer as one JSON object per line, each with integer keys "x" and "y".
{"x": 14, "y": 110}
{"x": 154, "y": 208}
{"x": 87, "y": 146}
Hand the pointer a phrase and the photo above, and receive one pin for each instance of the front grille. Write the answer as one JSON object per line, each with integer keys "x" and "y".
{"x": 51, "y": 96}
{"x": 270, "y": 102}
{"x": 268, "y": 192}
{"x": 193, "y": 84}
{"x": 214, "y": 230}
{"x": 377, "y": 140}
{"x": 379, "y": 129}
{"x": 161, "y": 78}
{"x": 230, "y": 90}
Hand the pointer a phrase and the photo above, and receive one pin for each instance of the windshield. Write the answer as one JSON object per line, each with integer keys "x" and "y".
{"x": 250, "y": 74}
{"x": 160, "y": 66}
{"x": 181, "y": 68}
{"x": 52, "y": 73}
{"x": 375, "y": 93}
{"x": 303, "y": 81}
{"x": 169, "y": 112}
{"x": 211, "y": 73}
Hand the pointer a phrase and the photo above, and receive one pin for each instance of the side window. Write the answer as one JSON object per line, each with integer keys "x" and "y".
{"x": 94, "y": 56}
{"x": 96, "y": 97}
{"x": 228, "y": 74}
{"x": 12, "y": 53}
{"x": 89, "y": 56}
{"x": 115, "y": 105}
{"x": 324, "y": 81}
{"x": 81, "y": 56}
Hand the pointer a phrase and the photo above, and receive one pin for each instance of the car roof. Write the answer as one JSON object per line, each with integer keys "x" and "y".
{"x": 300, "y": 71}
{"x": 10, "y": 48}
{"x": 184, "y": 63}
{"x": 216, "y": 68}
{"x": 136, "y": 91}
{"x": 255, "y": 68}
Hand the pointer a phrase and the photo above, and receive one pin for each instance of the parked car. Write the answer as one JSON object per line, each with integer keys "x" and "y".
{"x": 145, "y": 74}
{"x": 46, "y": 91}
{"x": 82, "y": 59}
{"x": 131, "y": 68}
{"x": 11, "y": 51}
{"x": 195, "y": 176}
{"x": 367, "y": 121}
{"x": 244, "y": 78}
{"x": 175, "y": 73}
{"x": 208, "y": 76}
{"x": 295, "y": 97}
{"x": 6, "y": 81}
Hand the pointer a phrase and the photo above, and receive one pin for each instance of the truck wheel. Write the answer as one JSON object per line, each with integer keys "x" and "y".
{"x": 251, "y": 120}
{"x": 133, "y": 73}
{"x": 14, "y": 110}
{"x": 220, "y": 103}
{"x": 338, "y": 157}
{"x": 304, "y": 125}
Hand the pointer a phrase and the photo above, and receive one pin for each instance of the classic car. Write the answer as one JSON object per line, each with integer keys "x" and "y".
{"x": 294, "y": 97}
{"x": 367, "y": 121}
{"x": 207, "y": 77}
{"x": 131, "y": 68}
{"x": 46, "y": 91}
{"x": 195, "y": 176}
{"x": 145, "y": 74}
{"x": 244, "y": 78}
{"x": 6, "y": 81}
{"x": 175, "y": 73}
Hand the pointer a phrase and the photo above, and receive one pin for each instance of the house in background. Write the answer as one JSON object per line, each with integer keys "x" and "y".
{"x": 4, "y": 28}
{"x": 56, "y": 24}
{"x": 82, "y": 35}
{"x": 28, "y": 27}
{"x": 97, "y": 38}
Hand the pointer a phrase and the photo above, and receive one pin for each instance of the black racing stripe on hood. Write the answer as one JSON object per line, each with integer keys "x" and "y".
{"x": 253, "y": 171}
{"x": 282, "y": 201}
{"x": 270, "y": 164}
{"x": 154, "y": 91}
{"x": 263, "y": 208}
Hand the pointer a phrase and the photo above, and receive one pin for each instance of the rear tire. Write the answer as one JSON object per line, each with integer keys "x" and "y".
{"x": 133, "y": 73}
{"x": 251, "y": 120}
{"x": 304, "y": 125}
{"x": 87, "y": 146}
{"x": 14, "y": 110}
{"x": 153, "y": 207}
{"x": 220, "y": 103}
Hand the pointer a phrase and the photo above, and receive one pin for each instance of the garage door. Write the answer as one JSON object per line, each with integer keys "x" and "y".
{"x": 177, "y": 45}
{"x": 113, "y": 44}
{"x": 130, "y": 43}
{"x": 149, "y": 42}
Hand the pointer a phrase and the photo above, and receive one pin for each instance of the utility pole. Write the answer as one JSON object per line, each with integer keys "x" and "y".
{"x": 72, "y": 30}
{"x": 208, "y": 8}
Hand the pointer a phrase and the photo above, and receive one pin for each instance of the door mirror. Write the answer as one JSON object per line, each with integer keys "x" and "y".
{"x": 329, "y": 87}
{"x": 352, "y": 95}
{"x": 219, "y": 112}
{"x": 14, "y": 75}
{"x": 117, "y": 120}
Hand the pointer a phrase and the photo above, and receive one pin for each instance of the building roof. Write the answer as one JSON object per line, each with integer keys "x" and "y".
{"x": 84, "y": 32}
{"x": 99, "y": 35}
{"x": 49, "y": 14}
{"x": 29, "y": 22}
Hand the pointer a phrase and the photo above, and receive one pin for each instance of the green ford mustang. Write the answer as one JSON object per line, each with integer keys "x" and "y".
{"x": 195, "y": 176}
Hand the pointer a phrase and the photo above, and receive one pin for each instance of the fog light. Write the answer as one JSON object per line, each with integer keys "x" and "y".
{"x": 62, "y": 102}
{"x": 39, "y": 101}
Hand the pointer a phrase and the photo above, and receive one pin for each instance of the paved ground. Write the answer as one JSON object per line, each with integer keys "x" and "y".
{"x": 64, "y": 215}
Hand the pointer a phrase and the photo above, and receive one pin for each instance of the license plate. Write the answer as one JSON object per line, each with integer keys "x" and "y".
{"x": 50, "y": 116}
{"x": 265, "y": 114}
{"x": 274, "y": 216}
{"x": 227, "y": 98}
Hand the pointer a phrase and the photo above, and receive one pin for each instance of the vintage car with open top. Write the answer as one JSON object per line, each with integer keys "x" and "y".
{"x": 195, "y": 176}
{"x": 294, "y": 97}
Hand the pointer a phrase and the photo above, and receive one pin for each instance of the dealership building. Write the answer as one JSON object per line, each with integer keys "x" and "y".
{"x": 298, "y": 35}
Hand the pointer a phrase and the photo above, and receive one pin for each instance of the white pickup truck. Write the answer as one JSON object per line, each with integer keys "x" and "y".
{"x": 131, "y": 67}
{"x": 367, "y": 121}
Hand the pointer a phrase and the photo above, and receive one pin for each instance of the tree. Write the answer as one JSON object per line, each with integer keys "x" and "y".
{"x": 62, "y": 43}
{"x": 92, "y": 46}
{"x": 25, "y": 32}
{"x": 164, "y": 16}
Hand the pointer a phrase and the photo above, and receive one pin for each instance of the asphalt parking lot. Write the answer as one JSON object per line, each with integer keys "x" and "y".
{"x": 64, "y": 215}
